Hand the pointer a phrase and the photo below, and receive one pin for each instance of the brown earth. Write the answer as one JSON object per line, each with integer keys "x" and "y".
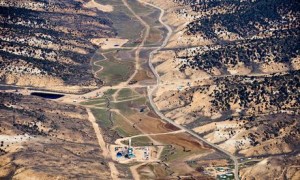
{"x": 38, "y": 141}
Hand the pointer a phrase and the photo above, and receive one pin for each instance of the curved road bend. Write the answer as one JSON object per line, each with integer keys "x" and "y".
{"x": 150, "y": 96}
{"x": 151, "y": 91}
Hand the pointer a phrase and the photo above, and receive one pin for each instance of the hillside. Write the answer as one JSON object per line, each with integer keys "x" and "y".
{"x": 247, "y": 37}
{"x": 149, "y": 89}
{"x": 49, "y": 43}
{"x": 44, "y": 139}
{"x": 231, "y": 73}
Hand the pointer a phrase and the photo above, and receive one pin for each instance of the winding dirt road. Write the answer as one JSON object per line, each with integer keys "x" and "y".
{"x": 161, "y": 115}
{"x": 105, "y": 150}
{"x": 153, "y": 89}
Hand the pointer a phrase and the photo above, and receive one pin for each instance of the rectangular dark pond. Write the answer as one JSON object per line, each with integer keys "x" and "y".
{"x": 47, "y": 95}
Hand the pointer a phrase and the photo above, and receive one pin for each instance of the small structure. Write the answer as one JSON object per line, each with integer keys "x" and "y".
{"x": 130, "y": 153}
{"x": 130, "y": 150}
{"x": 132, "y": 82}
{"x": 119, "y": 155}
{"x": 230, "y": 174}
{"x": 146, "y": 153}
{"x": 179, "y": 88}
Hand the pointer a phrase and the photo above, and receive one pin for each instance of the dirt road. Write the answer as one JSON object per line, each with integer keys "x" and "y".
{"x": 161, "y": 115}
{"x": 105, "y": 150}
{"x": 118, "y": 141}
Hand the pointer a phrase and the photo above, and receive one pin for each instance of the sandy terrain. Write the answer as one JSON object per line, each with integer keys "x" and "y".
{"x": 100, "y": 7}
{"x": 14, "y": 142}
{"x": 168, "y": 69}
{"x": 239, "y": 69}
{"x": 134, "y": 172}
{"x": 105, "y": 151}
{"x": 231, "y": 136}
{"x": 169, "y": 98}
{"x": 32, "y": 80}
{"x": 101, "y": 142}
{"x": 45, "y": 82}
{"x": 274, "y": 67}
{"x": 178, "y": 23}
{"x": 219, "y": 133}
{"x": 39, "y": 143}
{"x": 278, "y": 168}
{"x": 296, "y": 63}
{"x": 109, "y": 43}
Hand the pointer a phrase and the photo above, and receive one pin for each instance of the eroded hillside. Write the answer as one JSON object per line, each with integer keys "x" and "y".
{"x": 230, "y": 72}
{"x": 252, "y": 36}
{"x": 49, "y": 43}
{"x": 44, "y": 139}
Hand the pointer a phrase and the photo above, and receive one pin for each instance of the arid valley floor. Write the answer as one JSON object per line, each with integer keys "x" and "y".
{"x": 150, "y": 89}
